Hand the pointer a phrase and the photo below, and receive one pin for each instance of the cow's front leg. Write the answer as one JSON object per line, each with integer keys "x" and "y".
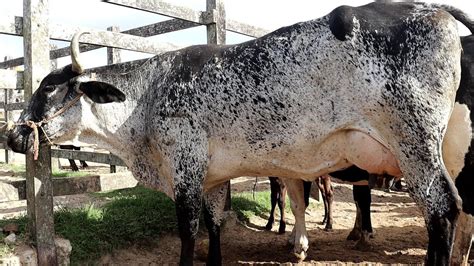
{"x": 187, "y": 153}
{"x": 214, "y": 203}
{"x": 299, "y": 235}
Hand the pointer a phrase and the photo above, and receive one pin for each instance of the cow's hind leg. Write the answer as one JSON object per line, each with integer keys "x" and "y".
{"x": 356, "y": 231}
{"x": 363, "y": 198}
{"x": 434, "y": 191}
{"x": 320, "y": 184}
{"x": 214, "y": 202}
{"x": 328, "y": 198}
{"x": 299, "y": 235}
{"x": 274, "y": 191}
{"x": 73, "y": 165}
{"x": 282, "y": 205}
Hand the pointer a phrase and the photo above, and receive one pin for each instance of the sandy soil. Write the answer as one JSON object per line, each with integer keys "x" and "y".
{"x": 400, "y": 236}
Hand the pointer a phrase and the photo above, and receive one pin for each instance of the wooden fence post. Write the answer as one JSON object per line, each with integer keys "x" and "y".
{"x": 38, "y": 173}
{"x": 8, "y": 116}
{"x": 113, "y": 57}
{"x": 53, "y": 66}
{"x": 216, "y": 35}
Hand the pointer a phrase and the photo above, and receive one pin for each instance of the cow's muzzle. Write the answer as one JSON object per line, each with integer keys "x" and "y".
{"x": 20, "y": 139}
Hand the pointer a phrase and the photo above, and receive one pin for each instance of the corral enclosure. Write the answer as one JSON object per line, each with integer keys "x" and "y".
{"x": 40, "y": 54}
{"x": 35, "y": 28}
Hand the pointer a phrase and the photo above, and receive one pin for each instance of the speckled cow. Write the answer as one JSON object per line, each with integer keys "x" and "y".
{"x": 302, "y": 101}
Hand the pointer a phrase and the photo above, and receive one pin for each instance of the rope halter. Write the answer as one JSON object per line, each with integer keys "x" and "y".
{"x": 35, "y": 125}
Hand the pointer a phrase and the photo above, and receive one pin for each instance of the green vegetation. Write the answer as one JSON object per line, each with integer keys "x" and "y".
{"x": 59, "y": 173}
{"x": 19, "y": 170}
{"x": 129, "y": 216}
{"x": 246, "y": 206}
{"x": 5, "y": 249}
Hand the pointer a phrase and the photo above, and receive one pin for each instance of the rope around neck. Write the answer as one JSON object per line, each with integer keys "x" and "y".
{"x": 35, "y": 125}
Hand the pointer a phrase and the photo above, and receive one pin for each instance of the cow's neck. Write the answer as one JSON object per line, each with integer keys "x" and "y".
{"x": 116, "y": 126}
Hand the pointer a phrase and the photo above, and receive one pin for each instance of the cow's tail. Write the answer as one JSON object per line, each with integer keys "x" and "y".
{"x": 459, "y": 15}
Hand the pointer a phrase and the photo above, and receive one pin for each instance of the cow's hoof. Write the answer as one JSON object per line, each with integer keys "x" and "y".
{"x": 354, "y": 235}
{"x": 372, "y": 234}
{"x": 363, "y": 246}
{"x": 282, "y": 228}
{"x": 269, "y": 226}
{"x": 328, "y": 229}
{"x": 300, "y": 256}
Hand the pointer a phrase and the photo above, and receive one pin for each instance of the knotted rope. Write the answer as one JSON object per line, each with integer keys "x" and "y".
{"x": 35, "y": 125}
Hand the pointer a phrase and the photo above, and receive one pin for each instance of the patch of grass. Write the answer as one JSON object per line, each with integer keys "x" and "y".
{"x": 246, "y": 206}
{"x": 59, "y": 173}
{"x": 5, "y": 249}
{"x": 18, "y": 169}
{"x": 132, "y": 216}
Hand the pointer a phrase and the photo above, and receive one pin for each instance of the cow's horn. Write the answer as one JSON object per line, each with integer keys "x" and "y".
{"x": 76, "y": 64}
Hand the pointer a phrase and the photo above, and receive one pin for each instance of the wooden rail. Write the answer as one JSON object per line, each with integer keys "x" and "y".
{"x": 105, "y": 158}
{"x": 37, "y": 32}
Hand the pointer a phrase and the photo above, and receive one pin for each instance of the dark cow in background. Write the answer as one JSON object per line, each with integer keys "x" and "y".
{"x": 278, "y": 196}
{"x": 465, "y": 180}
{"x": 371, "y": 86}
{"x": 72, "y": 163}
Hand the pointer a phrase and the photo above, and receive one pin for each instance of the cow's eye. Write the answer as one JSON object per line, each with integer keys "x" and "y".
{"x": 49, "y": 88}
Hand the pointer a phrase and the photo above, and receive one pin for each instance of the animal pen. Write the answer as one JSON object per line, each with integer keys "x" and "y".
{"x": 37, "y": 32}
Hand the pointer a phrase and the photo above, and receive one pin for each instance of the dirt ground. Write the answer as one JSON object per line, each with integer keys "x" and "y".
{"x": 400, "y": 236}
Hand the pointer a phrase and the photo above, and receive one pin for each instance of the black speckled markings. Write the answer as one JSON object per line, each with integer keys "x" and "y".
{"x": 196, "y": 117}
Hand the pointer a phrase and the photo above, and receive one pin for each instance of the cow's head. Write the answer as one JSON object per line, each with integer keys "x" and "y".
{"x": 55, "y": 105}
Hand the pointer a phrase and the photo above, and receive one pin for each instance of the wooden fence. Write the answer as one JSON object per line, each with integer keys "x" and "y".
{"x": 37, "y": 32}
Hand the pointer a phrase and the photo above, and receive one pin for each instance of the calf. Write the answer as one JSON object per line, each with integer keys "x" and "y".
{"x": 300, "y": 102}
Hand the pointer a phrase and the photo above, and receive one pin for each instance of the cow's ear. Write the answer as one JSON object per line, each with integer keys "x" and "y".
{"x": 101, "y": 92}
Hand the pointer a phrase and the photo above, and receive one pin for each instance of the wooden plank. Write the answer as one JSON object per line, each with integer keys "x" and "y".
{"x": 38, "y": 173}
{"x": 161, "y": 27}
{"x": 163, "y": 8}
{"x": 113, "y": 54}
{"x": 8, "y": 116}
{"x": 87, "y": 156}
{"x": 245, "y": 29}
{"x": 11, "y": 25}
{"x": 144, "y": 31}
{"x": 113, "y": 57}
{"x": 216, "y": 30}
{"x": 11, "y": 79}
{"x": 12, "y": 63}
{"x": 15, "y": 106}
{"x": 112, "y": 39}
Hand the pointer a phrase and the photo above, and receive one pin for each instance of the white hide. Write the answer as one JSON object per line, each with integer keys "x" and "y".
{"x": 457, "y": 139}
